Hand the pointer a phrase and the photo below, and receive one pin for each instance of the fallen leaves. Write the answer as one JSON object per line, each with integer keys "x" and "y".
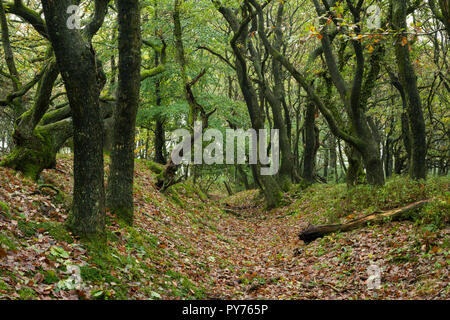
{"x": 254, "y": 256}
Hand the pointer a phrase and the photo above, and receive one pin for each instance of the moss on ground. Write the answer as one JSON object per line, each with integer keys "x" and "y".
{"x": 4, "y": 208}
{"x": 337, "y": 203}
{"x": 154, "y": 167}
{"x": 36, "y": 155}
{"x": 27, "y": 294}
{"x": 8, "y": 240}
{"x": 50, "y": 277}
{"x": 56, "y": 230}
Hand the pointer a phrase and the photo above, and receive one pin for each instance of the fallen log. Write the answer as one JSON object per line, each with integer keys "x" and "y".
{"x": 313, "y": 232}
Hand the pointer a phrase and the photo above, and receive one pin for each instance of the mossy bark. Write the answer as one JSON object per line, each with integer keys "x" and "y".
{"x": 355, "y": 172}
{"x": 160, "y": 134}
{"x": 287, "y": 169}
{"x": 38, "y": 152}
{"x": 270, "y": 187}
{"x": 309, "y": 156}
{"x": 76, "y": 60}
{"x": 33, "y": 156}
{"x": 35, "y": 147}
{"x": 160, "y": 141}
{"x": 408, "y": 80}
{"x": 272, "y": 191}
{"x": 120, "y": 181}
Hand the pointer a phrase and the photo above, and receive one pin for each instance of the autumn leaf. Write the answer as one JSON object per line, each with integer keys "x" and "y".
{"x": 434, "y": 250}
{"x": 3, "y": 253}
{"x": 404, "y": 41}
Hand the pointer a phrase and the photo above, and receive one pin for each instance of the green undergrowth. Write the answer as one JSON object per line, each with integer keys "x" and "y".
{"x": 56, "y": 230}
{"x": 331, "y": 203}
{"x": 244, "y": 199}
{"x": 165, "y": 254}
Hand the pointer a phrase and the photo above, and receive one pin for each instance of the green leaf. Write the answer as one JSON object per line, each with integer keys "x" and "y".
{"x": 59, "y": 252}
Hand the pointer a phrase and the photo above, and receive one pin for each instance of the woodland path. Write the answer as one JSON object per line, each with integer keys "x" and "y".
{"x": 265, "y": 260}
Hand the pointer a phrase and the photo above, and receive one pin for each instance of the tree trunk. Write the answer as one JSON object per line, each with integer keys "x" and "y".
{"x": 121, "y": 175}
{"x": 409, "y": 82}
{"x": 160, "y": 135}
{"x": 9, "y": 58}
{"x": 373, "y": 164}
{"x": 38, "y": 151}
{"x": 77, "y": 63}
{"x": 310, "y": 143}
{"x": 388, "y": 156}
{"x": 35, "y": 148}
{"x": 333, "y": 158}
{"x": 243, "y": 176}
{"x": 160, "y": 142}
{"x": 271, "y": 189}
{"x": 355, "y": 172}
{"x": 287, "y": 163}
{"x": 227, "y": 186}
{"x": 326, "y": 161}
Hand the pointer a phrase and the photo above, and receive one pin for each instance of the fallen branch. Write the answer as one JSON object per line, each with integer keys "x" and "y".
{"x": 49, "y": 186}
{"x": 40, "y": 188}
{"x": 313, "y": 232}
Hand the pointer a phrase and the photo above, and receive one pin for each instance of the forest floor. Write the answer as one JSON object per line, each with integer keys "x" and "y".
{"x": 184, "y": 245}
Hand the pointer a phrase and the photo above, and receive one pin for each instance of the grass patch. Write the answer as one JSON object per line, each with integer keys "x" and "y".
{"x": 55, "y": 229}
{"x": 332, "y": 203}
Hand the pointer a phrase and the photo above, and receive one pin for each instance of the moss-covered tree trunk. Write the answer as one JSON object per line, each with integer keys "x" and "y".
{"x": 287, "y": 161}
{"x": 333, "y": 159}
{"x": 160, "y": 142}
{"x": 310, "y": 143}
{"x": 160, "y": 134}
{"x": 442, "y": 12}
{"x": 355, "y": 171}
{"x": 10, "y": 62}
{"x": 121, "y": 172}
{"x": 38, "y": 151}
{"x": 408, "y": 80}
{"x": 77, "y": 63}
{"x": 268, "y": 184}
{"x": 353, "y": 98}
{"x": 35, "y": 147}
{"x": 388, "y": 164}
